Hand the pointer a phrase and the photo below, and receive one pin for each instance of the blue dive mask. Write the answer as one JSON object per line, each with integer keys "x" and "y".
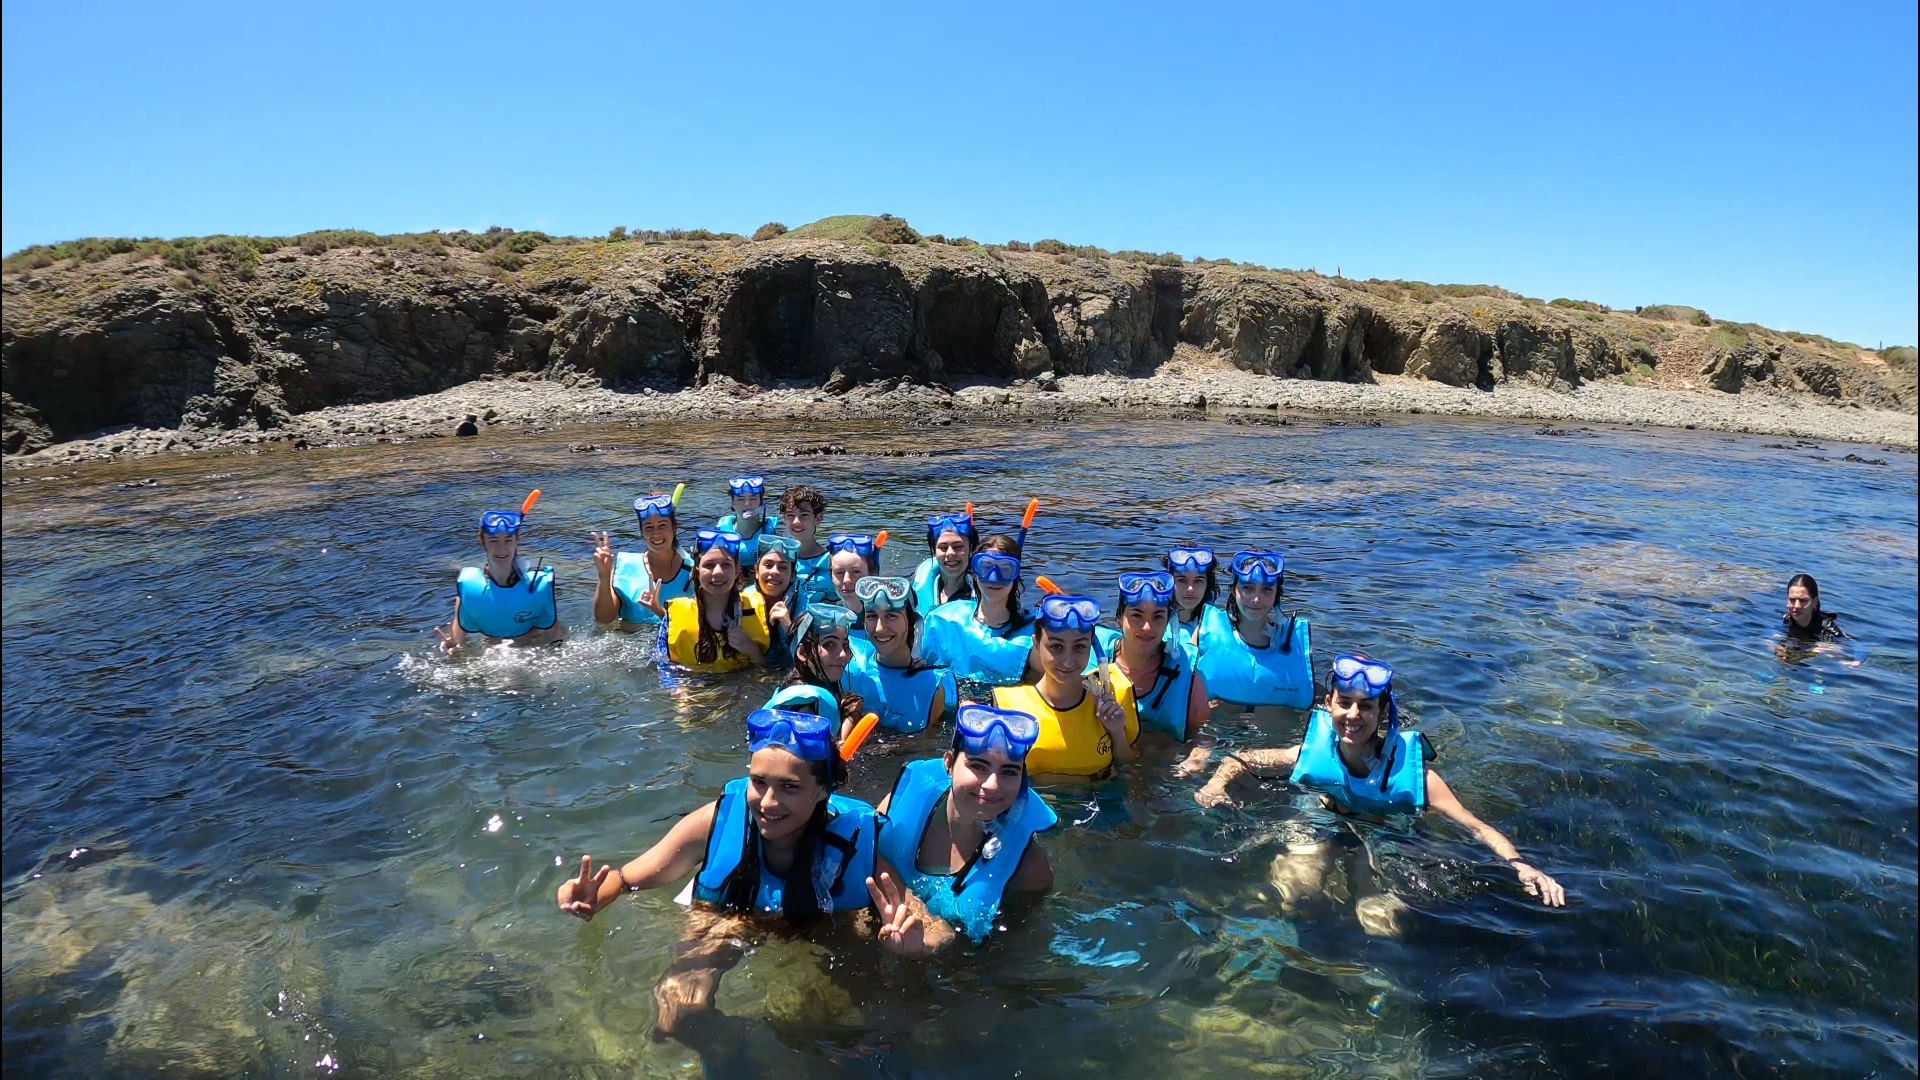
{"x": 860, "y": 544}
{"x": 747, "y": 485}
{"x": 1069, "y": 612}
{"x": 962, "y": 524}
{"x": 707, "y": 539}
{"x": 1190, "y": 560}
{"x": 883, "y": 593}
{"x": 980, "y": 728}
{"x": 500, "y": 522}
{"x": 994, "y": 568}
{"x": 1154, "y": 587}
{"x": 804, "y": 735}
{"x": 1259, "y": 567}
{"x": 1361, "y": 677}
{"x": 648, "y": 506}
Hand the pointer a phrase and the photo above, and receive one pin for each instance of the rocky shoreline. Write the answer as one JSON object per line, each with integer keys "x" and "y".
{"x": 294, "y": 340}
{"x": 1229, "y": 396}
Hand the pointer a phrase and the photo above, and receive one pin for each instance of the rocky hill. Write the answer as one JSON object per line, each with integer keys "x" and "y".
{"x": 243, "y": 334}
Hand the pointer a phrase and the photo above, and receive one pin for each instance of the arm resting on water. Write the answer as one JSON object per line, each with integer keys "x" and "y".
{"x": 676, "y": 855}
{"x": 1215, "y": 791}
{"x": 1442, "y": 798}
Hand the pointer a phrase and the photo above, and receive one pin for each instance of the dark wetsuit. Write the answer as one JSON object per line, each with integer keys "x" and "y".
{"x": 1824, "y": 627}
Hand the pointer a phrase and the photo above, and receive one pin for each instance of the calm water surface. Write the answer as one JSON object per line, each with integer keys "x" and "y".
{"x": 254, "y": 825}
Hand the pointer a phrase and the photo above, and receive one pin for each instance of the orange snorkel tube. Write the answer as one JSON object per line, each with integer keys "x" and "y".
{"x": 858, "y": 735}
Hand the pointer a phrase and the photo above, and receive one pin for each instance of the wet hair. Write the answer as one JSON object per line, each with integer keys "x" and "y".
{"x": 806, "y": 672}
{"x": 803, "y": 497}
{"x": 712, "y": 643}
{"x": 1806, "y": 582}
{"x": 799, "y": 901}
{"x": 1002, "y": 544}
{"x": 1207, "y": 595}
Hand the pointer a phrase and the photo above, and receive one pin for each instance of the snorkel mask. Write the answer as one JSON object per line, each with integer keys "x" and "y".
{"x": 980, "y": 728}
{"x": 884, "y": 593}
{"x": 707, "y": 539}
{"x": 824, "y": 619}
{"x": 950, "y": 523}
{"x": 804, "y": 735}
{"x": 1059, "y": 612}
{"x": 1256, "y": 567}
{"x": 995, "y": 568}
{"x": 787, "y": 546}
{"x": 860, "y": 544}
{"x": 1190, "y": 560}
{"x": 1156, "y": 588}
{"x": 649, "y": 506}
{"x": 500, "y": 522}
{"x": 740, "y": 486}
{"x": 1359, "y": 677}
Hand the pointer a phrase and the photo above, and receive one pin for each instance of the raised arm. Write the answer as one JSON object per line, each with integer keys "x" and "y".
{"x": 1442, "y": 798}
{"x": 1214, "y": 793}
{"x": 673, "y": 857}
{"x": 905, "y": 926}
{"x": 606, "y": 604}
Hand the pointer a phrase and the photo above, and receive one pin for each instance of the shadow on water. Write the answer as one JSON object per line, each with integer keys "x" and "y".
{"x": 254, "y": 824}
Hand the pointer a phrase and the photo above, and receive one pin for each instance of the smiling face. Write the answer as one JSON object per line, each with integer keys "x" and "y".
{"x": 1144, "y": 622}
{"x": 1800, "y": 605}
{"x": 847, "y": 567}
{"x": 773, "y": 573}
{"x": 1256, "y": 600}
{"x": 1355, "y": 719}
{"x": 717, "y": 571}
{"x": 1063, "y": 653}
{"x": 501, "y": 547}
{"x": 783, "y": 792}
{"x": 801, "y": 523}
{"x": 984, "y": 785}
{"x": 831, "y": 652}
{"x": 888, "y": 632}
{"x": 658, "y": 532}
{"x": 1189, "y": 588}
{"x": 952, "y": 551}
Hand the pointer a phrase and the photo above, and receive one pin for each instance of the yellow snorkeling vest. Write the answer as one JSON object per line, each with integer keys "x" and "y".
{"x": 1071, "y": 743}
{"x": 680, "y": 634}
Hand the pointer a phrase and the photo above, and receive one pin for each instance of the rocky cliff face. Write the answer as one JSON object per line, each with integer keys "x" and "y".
{"x": 92, "y": 346}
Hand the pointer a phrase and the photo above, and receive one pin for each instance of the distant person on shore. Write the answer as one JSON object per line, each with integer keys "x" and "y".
{"x": 749, "y": 517}
{"x": 502, "y": 599}
{"x": 1806, "y": 620}
{"x": 469, "y": 426}
{"x": 801, "y": 510}
{"x": 662, "y": 569}
{"x": 779, "y": 849}
{"x": 1362, "y": 763}
{"x": 942, "y": 576}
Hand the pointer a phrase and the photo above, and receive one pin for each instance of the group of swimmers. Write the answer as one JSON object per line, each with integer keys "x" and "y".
{"x": 1014, "y": 692}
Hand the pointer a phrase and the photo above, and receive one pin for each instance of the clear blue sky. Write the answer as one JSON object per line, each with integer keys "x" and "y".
{"x": 1753, "y": 159}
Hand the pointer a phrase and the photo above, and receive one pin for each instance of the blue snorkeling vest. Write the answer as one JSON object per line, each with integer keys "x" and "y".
{"x": 1280, "y": 674}
{"x": 769, "y": 526}
{"x": 970, "y": 898}
{"x": 926, "y": 587}
{"x": 953, "y": 638}
{"x": 901, "y": 696}
{"x": 839, "y": 875}
{"x": 1210, "y": 615}
{"x": 631, "y": 578}
{"x": 506, "y": 611}
{"x": 1162, "y": 706}
{"x": 1397, "y": 784}
{"x": 814, "y": 578}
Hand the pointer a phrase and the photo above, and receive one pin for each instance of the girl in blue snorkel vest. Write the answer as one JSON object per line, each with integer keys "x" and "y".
{"x": 906, "y": 692}
{"x": 962, "y": 829}
{"x": 943, "y": 576}
{"x": 1361, "y": 762}
{"x": 986, "y": 639}
{"x": 749, "y": 517}
{"x": 1256, "y": 654}
{"x": 502, "y": 599}
{"x": 780, "y": 846}
{"x": 662, "y": 570}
